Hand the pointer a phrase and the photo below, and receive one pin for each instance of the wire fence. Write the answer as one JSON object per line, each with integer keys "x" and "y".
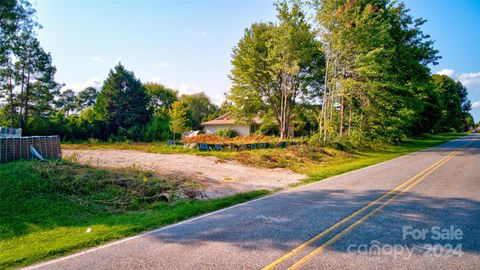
{"x": 19, "y": 148}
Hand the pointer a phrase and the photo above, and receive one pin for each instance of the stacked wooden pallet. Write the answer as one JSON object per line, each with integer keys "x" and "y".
{"x": 18, "y": 148}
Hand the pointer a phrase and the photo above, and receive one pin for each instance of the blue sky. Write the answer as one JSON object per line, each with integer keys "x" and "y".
{"x": 187, "y": 44}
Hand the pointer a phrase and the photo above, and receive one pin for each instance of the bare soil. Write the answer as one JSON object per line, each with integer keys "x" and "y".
{"x": 215, "y": 177}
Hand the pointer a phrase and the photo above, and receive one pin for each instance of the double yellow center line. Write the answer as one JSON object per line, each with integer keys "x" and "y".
{"x": 397, "y": 191}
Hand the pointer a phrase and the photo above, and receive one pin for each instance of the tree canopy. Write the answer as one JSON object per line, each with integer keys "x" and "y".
{"x": 357, "y": 71}
{"x": 122, "y": 101}
{"x": 26, "y": 72}
{"x": 274, "y": 64}
{"x": 199, "y": 109}
{"x": 162, "y": 98}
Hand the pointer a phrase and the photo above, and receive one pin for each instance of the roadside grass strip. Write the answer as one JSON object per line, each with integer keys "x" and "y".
{"x": 381, "y": 202}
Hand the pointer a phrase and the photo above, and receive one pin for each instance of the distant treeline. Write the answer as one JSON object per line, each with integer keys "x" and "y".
{"x": 361, "y": 74}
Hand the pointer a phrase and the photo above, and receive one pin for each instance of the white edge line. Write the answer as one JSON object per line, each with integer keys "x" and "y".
{"x": 115, "y": 242}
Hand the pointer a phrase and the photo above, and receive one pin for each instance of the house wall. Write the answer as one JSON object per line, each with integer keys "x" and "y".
{"x": 243, "y": 130}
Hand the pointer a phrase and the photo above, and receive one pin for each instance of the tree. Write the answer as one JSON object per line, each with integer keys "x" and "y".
{"x": 41, "y": 87}
{"x": 87, "y": 97}
{"x": 199, "y": 108}
{"x": 376, "y": 69}
{"x": 178, "y": 116}
{"x": 67, "y": 101}
{"x": 122, "y": 101}
{"x": 275, "y": 64}
{"x": 161, "y": 97}
{"x": 26, "y": 70}
{"x": 453, "y": 103}
{"x": 16, "y": 20}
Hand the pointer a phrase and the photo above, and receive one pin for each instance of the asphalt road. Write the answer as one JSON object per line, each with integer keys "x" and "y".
{"x": 415, "y": 212}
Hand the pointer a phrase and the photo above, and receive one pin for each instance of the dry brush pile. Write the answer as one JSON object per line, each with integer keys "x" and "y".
{"x": 251, "y": 139}
{"x": 111, "y": 190}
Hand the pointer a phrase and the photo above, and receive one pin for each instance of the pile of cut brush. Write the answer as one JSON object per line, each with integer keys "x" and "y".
{"x": 112, "y": 190}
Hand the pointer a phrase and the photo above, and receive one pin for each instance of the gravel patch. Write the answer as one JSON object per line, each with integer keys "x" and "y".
{"x": 217, "y": 178}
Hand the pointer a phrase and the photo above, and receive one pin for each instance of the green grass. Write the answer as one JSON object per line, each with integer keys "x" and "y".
{"x": 380, "y": 153}
{"x": 46, "y": 208}
{"x": 46, "y": 213}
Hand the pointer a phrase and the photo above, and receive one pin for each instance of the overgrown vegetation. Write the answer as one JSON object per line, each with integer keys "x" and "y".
{"x": 112, "y": 190}
{"x": 366, "y": 74}
{"x": 48, "y": 208}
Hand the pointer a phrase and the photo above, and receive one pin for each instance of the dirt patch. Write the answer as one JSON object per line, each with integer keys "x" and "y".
{"x": 216, "y": 178}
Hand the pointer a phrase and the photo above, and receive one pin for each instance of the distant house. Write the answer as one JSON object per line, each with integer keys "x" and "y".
{"x": 225, "y": 121}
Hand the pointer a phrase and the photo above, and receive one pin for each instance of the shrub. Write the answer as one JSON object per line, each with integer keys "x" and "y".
{"x": 269, "y": 128}
{"x": 226, "y": 133}
{"x": 157, "y": 130}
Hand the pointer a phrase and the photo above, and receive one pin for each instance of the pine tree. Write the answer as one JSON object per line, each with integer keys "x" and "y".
{"x": 122, "y": 101}
{"x": 67, "y": 101}
{"x": 26, "y": 70}
{"x": 87, "y": 97}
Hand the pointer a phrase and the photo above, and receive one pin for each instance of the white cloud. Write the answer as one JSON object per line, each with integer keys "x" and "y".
{"x": 188, "y": 88}
{"x": 470, "y": 79}
{"x": 101, "y": 60}
{"x": 98, "y": 59}
{"x": 218, "y": 99}
{"x": 163, "y": 64}
{"x": 446, "y": 71}
{"x": 94, "y": 82}
{"x": 476, "y": 105}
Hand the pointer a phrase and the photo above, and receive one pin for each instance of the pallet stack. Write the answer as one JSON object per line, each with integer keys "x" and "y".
{"x": 18, "y": 148}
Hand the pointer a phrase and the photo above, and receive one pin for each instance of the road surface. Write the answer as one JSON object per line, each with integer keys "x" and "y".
{"x": 415, "y": 212}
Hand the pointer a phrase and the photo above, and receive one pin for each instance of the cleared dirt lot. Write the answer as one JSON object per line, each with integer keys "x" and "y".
{"x": 217, "y": 178}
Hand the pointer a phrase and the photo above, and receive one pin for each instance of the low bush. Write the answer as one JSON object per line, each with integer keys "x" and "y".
{"x": 226, "y": 133}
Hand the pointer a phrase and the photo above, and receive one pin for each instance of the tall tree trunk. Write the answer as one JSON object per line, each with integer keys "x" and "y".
{"x": 27, "y": 97}
{"x": 323, "y": 123}
{"x": 350, "y": 119}
{"x": 20, "y": 117}
{"x": 12, "y": 105}
{"x": 283, "y": 109}
{"x": 284, "y": 106}
{"x": 342, "y": 107}
{"x": 334, "y": 87}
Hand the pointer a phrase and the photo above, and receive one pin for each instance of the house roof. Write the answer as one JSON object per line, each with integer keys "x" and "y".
{"x": 226, "y": 119}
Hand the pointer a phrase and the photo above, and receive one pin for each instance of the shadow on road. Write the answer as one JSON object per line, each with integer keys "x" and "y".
{"x": 301, "y": 215}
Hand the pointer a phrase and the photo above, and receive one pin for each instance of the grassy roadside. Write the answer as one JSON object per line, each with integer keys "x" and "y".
{"x": 381, "y": 153}
{"x": 51, "y": 209}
